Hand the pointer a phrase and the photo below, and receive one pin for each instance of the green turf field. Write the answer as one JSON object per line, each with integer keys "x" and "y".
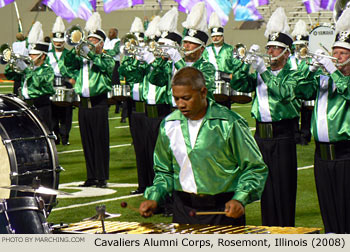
{"x": 123, "y": 179}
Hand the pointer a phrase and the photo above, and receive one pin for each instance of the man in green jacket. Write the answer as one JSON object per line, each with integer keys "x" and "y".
{"x": 331, "y": 128}
{"x": 206, "y": 157}
{"x": 93, "y": 72}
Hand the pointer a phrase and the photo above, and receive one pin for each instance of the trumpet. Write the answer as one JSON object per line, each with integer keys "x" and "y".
{"x": 7, "y": 56}
{"x": 130, "y": 45}
{"x": 74, "y": 36}
{"x": 304, "y": 53}
{"x": 160, "y": 50}
{"x": 240, "y": 52}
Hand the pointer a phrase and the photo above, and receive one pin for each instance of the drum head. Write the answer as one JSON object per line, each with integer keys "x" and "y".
{"x": 321, "y": 37}
{"x": 4, "y": 169}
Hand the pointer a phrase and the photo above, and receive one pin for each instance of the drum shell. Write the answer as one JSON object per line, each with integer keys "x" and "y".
{"x": 240, "y": 97}
{"x": 309, "y": 104}
{"x": 121, "y": 92}
{"x": 222, "y": 91}
{"x": 25, "y": 215}
{"x": 27, "y": 151}
{"x": 63, "y": 97}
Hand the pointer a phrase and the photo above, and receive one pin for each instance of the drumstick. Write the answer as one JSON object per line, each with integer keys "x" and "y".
{"x": 125, "y": 205}
{"x": 193, "y": 213}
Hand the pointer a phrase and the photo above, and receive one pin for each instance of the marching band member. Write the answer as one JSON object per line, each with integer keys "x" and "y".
{"x": 36, "y": 84}
{"x": 134, "y": 72}
{"x": 205, "y": 156}
{"x": 330, "y": 128}
{"x": 20, "y": 46}
{"x": 194, "y": 41}
{"x": 275, "y": 111}
{"x": 301, "y": 40}
{"x": 93, "y": 70}
{"x": 220, "y": 54}
{"x": 61, "y": 116}
{"x": 112, "y": 48}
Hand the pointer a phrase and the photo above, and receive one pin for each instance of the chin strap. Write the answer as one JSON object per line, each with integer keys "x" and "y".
{"x": 281, "y": 54}
{"x": 217, "y": 42}
{"x": 343, "y": 64}
{"x": 194, "y": 50}
{"x": 58, "y": 47}
{"x": 37, "y": 57}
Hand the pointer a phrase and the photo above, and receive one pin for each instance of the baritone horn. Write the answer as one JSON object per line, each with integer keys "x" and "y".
{"x": 305, "y": 53}
{"x": 74, "y": 36}
{"x": 7, "y": 56}
{"x": 240, "y": 52}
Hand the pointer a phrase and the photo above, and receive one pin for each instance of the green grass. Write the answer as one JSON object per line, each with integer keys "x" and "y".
{"x": 123, "y": 170}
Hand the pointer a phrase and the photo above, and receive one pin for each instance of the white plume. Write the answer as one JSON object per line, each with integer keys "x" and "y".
{"x": 343, "y": 23}
{"x": 152, "y": 29}
{"x": 214, "y": 21}
{"x": 137, "y": 25}
{"x": 58, "y": 26}
{"x": 36, "y": 34}
{"x": 300, "y": 29}
{"x": 277, "y": 23}
{"x": 169, "y": 21}
{"x": 197, "y": 18}
{"x": 94, "y": 23}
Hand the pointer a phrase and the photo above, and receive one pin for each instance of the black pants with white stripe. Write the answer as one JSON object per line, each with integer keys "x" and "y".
{"x": 94, "y": 132}
{"x": 279, "y": 196}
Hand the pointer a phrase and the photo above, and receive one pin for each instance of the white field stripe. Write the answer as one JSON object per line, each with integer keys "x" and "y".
{"x": 111, "y": 118}
{"x": 96, "y": 202}
{"x": 118, "y": 127}
{"x": 111, "y": 147}
{"x": 243, "y": 106}
{"x": 5, "y": 86}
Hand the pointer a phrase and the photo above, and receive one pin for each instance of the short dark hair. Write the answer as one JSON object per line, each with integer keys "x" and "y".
{"x": 189, "y": 76}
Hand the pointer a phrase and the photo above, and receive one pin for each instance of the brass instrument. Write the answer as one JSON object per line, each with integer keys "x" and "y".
{"x": 304, "y": 53}
{"x": 240, "y": 52}
{"x": 74, "y": 36}
{"x": 159, "y": 50}
{"x": 7, "y": 56}
{"x": 130, "y": 45}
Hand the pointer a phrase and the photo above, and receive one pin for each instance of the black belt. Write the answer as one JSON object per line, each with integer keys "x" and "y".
{"x": 40, "y": 101}
{"x": 332, "y": 151}
{"x": 140, "y": 106}
{"x": 89, "y": 102}
{"x": 203, "y": 200}
{"x": 157, "y": 110}
{"x": 281, "y": 128}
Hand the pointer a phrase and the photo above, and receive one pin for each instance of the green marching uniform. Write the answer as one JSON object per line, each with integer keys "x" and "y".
{"x": 303, "y": 136}
{"x": 36, "y": 88}
{"x": 61, "y": 116}
{"x": 331, "y": 129}
{"x": 112, "y": 48}
{"x": 275, "y": 110}
{"x": 93, "y": 81}
{"x": 135, "y": 73}
{"x": 224, "y": 63}
{"x": 224, "y": 164}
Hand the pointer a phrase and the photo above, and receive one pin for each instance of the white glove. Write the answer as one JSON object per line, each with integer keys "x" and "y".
{"x": 21, "y": 64}
{"x": 174, "y": 54}
{"x": 147, "y": 56}
{"x": 328, "y": 64}
{"x": 254, "y": 48}
{"x": 313, "y": 67}
{"x": 259, "y": 65}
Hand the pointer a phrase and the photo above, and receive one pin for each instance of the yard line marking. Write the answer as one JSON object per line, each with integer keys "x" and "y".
{"x": 306, "y": 167}
{"x": 121, "y": 127}
{"x": 96, "y": 202}
{"x": 1, "y": 86}
{"x": 80, "y": 150}
{"x": 243, "y": 106}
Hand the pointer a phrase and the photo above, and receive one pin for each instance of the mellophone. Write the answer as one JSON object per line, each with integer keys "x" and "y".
{"x": 117, "y": 227}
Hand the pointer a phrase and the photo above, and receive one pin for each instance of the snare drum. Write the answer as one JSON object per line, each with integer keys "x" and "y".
{"x": 27, "y": 151}
{"x": 222, "y": 91}
{"x": 63, "y": 96}
{"x": 240, "y": 97}
{"x": 23, "y": 215}
{"x": 111, "y": 94}
{"x": 121, "y": 92}
{"x": 309, "y": 104}
{"x": 76, "y": 100}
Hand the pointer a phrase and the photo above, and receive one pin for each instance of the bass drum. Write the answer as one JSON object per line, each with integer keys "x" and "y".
{"x": 27, "y": 151}
{"x": 321, "y": 37}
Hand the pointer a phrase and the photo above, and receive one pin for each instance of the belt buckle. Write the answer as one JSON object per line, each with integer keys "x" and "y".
{"x": 152, "y": 111}
{"x": 327, "y": 151}
{"x": 265, "y": 130}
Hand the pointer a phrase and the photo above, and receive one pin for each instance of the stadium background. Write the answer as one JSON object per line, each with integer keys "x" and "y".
{"x": 123, "y": 176}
